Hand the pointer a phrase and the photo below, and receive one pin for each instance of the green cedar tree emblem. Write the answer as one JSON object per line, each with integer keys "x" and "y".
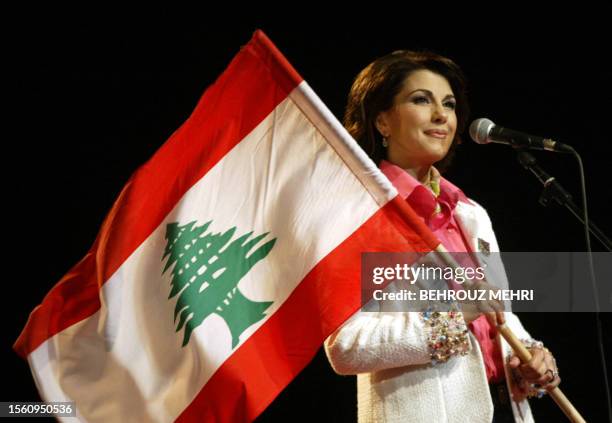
{"x": 206, "y": 275}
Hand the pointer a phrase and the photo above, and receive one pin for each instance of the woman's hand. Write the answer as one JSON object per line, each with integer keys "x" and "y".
{"x": 492, "y": 309}
{"x": 540, "y": 371}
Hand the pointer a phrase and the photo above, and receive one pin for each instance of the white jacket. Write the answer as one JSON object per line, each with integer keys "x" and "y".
{"x": 389, "y": 353}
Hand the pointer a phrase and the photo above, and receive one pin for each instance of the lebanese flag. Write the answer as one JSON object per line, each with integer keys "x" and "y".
{"x": 226, "y": 261}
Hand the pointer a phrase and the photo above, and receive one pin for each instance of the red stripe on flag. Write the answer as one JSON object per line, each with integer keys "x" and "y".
{"x": 260, "y": 369}
{"x": 256, "y": 81}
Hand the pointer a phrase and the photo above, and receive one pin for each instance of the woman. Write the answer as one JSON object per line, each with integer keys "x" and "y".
{"x": 406, "y": 110}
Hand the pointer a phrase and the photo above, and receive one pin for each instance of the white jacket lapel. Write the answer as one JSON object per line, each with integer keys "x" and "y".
{"x": 475, "y": 225}
{"x": 466, "y": 216}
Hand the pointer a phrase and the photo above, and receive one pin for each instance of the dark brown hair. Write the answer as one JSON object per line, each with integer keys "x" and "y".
{"x": 376, "y": 86}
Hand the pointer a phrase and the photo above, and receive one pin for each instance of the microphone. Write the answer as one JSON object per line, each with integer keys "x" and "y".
{"x": 484, "y": 131}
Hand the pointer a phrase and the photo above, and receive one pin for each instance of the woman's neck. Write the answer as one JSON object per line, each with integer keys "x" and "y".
{"x": 421, "y": 174}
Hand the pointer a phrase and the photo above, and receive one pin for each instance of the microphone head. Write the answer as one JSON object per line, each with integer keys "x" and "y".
{"x": 480, "y": 129}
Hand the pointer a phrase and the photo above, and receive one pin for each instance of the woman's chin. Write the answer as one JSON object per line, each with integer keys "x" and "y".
{"x": 436, "y": 157}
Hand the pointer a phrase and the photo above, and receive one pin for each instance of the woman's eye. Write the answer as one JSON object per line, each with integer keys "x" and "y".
{"x": 451, "y": 105}
{"x": 420, "y": 100}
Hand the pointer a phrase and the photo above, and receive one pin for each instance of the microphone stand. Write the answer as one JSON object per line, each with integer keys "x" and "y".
{"x": 554, "y": 191}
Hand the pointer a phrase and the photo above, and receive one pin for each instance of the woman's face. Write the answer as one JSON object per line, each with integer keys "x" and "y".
{"x": 421, "y": 124}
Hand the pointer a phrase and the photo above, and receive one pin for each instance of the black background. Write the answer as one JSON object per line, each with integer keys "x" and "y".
{"x": 90, "y": 102}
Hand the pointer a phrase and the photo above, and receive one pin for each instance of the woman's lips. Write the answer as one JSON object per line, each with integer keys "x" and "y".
{"x": 437, "y": 133}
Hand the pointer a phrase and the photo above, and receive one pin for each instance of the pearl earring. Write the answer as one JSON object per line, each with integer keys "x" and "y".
{"x": 384, "y": 142}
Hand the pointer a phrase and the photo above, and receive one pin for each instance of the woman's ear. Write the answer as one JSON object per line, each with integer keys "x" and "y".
{"x": 381, "y": 124}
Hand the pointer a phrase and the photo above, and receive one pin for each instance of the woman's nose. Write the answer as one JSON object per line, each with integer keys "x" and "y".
{"x": 439, "y": 114}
